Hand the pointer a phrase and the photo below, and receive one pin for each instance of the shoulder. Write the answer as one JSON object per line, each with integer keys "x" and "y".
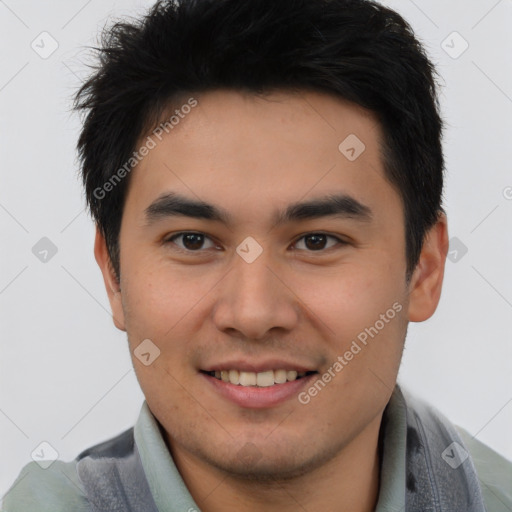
{"x": 59, "y": 487}
{"x": 494, "y": 473}
{"x": 55, "y": 489}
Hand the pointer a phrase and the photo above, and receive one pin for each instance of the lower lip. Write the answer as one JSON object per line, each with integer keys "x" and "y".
{"x": 258, "y": 398}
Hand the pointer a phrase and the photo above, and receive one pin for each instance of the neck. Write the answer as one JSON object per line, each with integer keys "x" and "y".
{"x": 349, "y": 481}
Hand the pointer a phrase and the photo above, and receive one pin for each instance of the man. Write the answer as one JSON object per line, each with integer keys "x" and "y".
{"x": 266, "y": 180}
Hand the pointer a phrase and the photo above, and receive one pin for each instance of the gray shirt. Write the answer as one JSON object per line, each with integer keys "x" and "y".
{"x": 427, "y": 465}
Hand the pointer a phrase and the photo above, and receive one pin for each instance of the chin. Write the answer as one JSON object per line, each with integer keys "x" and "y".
{"x": 267, "y": 465}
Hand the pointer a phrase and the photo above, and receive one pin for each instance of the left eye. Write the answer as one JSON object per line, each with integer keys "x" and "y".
{"x": 318, "y": 241}
{"x": 193, "y": 242}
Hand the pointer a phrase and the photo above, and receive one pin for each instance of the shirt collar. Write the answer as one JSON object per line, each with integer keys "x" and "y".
{"x": 392, "y": 476}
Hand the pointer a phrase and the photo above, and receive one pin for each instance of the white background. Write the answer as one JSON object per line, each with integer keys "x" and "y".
{"x": 65, "y": 372}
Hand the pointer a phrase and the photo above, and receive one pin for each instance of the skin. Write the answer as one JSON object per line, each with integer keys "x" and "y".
{"x": 253, "y": 155}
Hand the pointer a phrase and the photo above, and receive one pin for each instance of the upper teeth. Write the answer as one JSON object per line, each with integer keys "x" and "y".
{"x": 261, "y": 379}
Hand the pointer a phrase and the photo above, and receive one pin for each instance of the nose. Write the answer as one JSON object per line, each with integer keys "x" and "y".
{"x": 254, "y": 298}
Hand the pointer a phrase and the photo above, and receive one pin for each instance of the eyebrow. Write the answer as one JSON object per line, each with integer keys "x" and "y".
{"x": 336, "y": 205}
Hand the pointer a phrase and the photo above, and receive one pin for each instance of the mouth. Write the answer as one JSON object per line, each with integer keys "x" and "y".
{"x": 264, "y": 389}
{"x": 263, "y": 379}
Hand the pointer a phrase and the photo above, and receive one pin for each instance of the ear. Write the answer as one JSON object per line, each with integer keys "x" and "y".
{"x": 111, "y": 284}
{"x": 427, "y": 279}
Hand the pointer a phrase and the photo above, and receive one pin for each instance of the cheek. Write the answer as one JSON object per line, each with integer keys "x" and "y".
{"x": 160, "y": 300}
{"x": 159, "y": 305}
{"x": 352, "y": 297}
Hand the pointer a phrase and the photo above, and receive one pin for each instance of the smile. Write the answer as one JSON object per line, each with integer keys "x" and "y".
{"x": 258, "y": 379}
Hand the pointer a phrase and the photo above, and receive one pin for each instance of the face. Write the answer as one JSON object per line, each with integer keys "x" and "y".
{"x": 256, "y": 290}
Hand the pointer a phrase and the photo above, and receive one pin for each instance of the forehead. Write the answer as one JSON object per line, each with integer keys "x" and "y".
{"x": 295, "y": 115}
{"x": 241, "y": 148}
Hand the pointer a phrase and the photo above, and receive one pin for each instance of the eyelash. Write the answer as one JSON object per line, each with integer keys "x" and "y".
{"x": 170, "y": 240}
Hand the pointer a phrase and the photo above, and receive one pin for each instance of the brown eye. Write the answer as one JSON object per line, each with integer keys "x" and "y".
{"x": 190, "y": 241}
{"x": 318, "y": 241}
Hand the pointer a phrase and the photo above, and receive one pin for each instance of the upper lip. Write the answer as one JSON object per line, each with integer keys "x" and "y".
{"x": 257, "y": 367}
